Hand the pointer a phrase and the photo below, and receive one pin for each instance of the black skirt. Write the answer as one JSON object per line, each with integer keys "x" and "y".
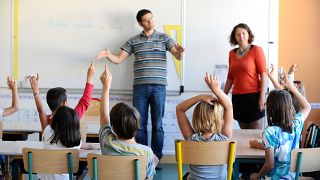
{"x": 245, "y": 107}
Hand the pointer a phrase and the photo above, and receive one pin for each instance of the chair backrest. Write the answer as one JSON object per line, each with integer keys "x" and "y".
{"x": 94, "y": 107}
{"x": 116, "y": 167}
{"x": 305, "y": 160}
{"x": 83, "y": 131}
{"x": 205, "y": 153}
{"x": 50, "y": 161}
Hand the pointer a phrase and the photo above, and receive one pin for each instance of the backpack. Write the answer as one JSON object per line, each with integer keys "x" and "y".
{"x": 312, "y": 136}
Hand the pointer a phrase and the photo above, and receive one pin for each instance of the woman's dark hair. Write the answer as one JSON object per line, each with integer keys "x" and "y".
{"x": 280, "y": 111}
{"x": 65, "y": 125}
{"x": 141, "y": 13}
{"x": 124, "y": 120}
{"x": 233, "y": 40}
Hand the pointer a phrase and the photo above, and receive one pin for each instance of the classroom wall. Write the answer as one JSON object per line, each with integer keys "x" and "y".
{"x": 299, "y": 38}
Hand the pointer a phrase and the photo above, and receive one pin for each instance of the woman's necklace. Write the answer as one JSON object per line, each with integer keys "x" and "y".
{"x": 241, "y": 53}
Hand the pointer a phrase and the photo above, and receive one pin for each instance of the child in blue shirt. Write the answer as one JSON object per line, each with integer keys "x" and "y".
{"x": 283, "y": 132}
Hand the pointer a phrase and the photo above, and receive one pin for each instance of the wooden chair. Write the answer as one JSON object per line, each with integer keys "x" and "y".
{"x": 51, "y": 161}
{"x": 304, "y": 160}
{"x": 205, "y": 153}
{"x": 94, "y": 107}
{"x": 116, "y": 167}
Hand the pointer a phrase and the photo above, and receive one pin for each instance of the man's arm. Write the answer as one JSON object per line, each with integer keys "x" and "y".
{"x": 114, "y": 58}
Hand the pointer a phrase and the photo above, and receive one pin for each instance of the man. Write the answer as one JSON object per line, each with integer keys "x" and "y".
{"x": 150, "y": 72}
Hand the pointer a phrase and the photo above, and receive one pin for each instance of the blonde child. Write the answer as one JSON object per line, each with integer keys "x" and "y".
{"x": 212, "y": 121}
{"x": 283, "y": 131}
{"x": 119, "y": 128}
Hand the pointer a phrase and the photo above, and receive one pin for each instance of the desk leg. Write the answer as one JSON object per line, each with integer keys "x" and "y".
{"x": 7, "y": 168}
{"x": 236, "y": 170}
{"x": 40, "y": 136}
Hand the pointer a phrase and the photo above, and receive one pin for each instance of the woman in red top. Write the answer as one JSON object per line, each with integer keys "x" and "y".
{"x": 247, "y": 74}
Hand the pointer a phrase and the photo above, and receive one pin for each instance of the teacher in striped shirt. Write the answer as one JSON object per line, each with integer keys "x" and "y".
{"x": 150, "y": 75}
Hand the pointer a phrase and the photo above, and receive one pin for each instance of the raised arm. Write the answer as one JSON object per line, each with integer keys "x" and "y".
{"x": 177, "y": 51}
{"x": 114, "y": 58}
{"x": 84, "y": 101}
{"x": 305, "y": 106}
{"x": 273, "y": 79}
{"x": 14, "y": 104}
{"x": 105, "y": 79}
{"x": 36, "y": 93}
{"x": 292, "y": 70}
{"x": 181, "y": 109}
{"x": 223, "y": 99}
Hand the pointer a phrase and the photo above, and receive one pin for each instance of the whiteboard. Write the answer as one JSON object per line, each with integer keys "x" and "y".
{"x": 208, "y": 26}
{"x": 5, "y": 42}
{"x": 58, "y": 39}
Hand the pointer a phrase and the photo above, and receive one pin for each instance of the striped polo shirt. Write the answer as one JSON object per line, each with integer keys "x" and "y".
{"x": 150, "y": 65}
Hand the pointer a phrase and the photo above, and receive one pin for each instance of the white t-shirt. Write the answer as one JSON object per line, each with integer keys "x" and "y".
{"x": 1, "y": 113}
{"x": 46, "y": 138}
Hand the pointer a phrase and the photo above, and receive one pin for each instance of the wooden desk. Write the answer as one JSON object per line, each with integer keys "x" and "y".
{"x": 14, "y": 127}
{"x": 245, "y": 154}
{"x": 14, "y": 148}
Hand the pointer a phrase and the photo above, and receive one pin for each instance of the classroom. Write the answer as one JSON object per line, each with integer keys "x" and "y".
{"x": 68, "y": 37}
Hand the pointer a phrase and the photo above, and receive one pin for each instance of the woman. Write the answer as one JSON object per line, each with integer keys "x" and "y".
{"x": 247, "y": 74}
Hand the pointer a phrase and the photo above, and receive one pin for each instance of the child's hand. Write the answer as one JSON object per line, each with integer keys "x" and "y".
{"x": 208, "y": 98}
{"x": 34, "y": 83}
{"x": 11, "y": 83}
{"x": 254, "y": 143}
{"x": 286, "y": 82}
{"x": 103, "y": 53}
{"x": 293, "y": 68}
{"x": 271, "y": 73}
{"x": 106, "y": 77}
{"x": 212, "y": 81}
{"x": 254, "y": 176}
{"x": 90, "y": 73}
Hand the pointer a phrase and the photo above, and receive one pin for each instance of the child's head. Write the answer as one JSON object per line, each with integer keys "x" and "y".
{"x": 124, "y": 120}
{"x": 56, "y": 97}
{"x": 280, "y": 110}
{"x": 207, "y": 118}
{"x": 65, "y": 124}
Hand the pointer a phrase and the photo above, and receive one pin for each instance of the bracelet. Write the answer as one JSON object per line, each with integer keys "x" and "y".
{"x": 36, "y": 93}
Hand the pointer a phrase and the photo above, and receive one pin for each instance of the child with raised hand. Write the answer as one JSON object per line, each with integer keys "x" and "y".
{"x": 283, "y": 131}
{"x": 14, "y": 104}
{"x": 57, "y": 97}
{"x": 118, "y": 128}
{"x": 212, "y": 121}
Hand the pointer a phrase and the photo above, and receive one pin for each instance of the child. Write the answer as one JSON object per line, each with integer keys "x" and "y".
{"x": 283, "y": 131}
{"x": 298, "y": 84}
{"x": 212, "y": 121}
{"x": 14, "y": 104}
{"x": 57, "y": 97}
{"x": 119, "y": 128}
{"x": 63, "y": 132}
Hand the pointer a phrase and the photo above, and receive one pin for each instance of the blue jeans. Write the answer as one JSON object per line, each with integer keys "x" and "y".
{"x": 155, "y": 96}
